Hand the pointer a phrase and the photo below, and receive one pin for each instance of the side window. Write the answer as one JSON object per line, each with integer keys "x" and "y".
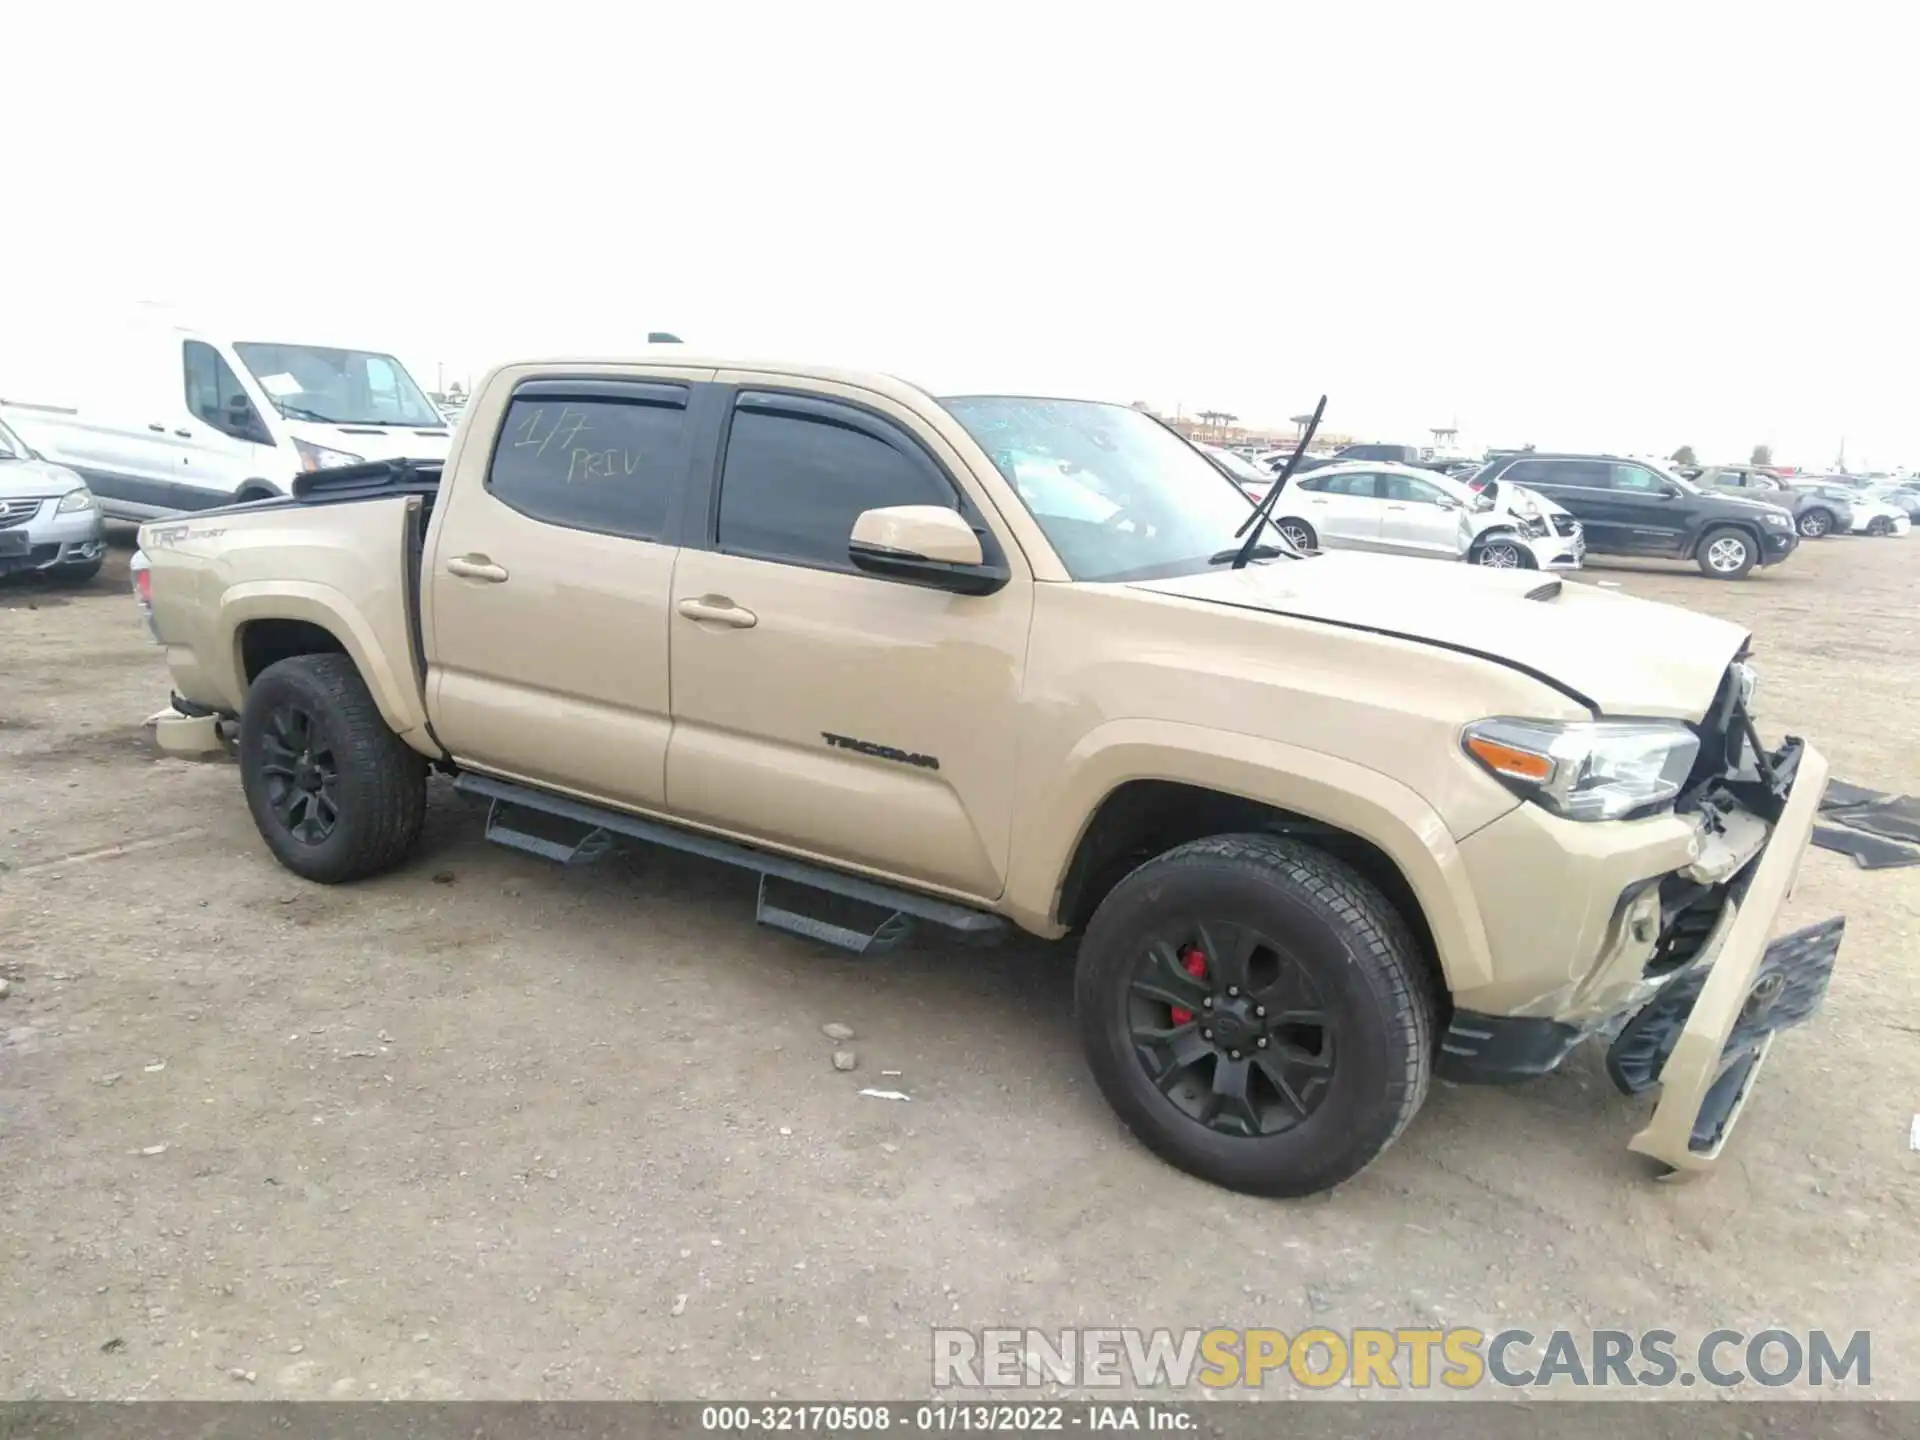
{"x": 1635, "y": 479}
{"x": 214, "y": 394}
{"x": 1531, "y": 472}
{"x": 595, "y": 459}
{"x": 1585, "y": 474}
{"x": 1408, "y": 490}
{"x": 1358, "y": 484}
{"x": 796, "y": 479}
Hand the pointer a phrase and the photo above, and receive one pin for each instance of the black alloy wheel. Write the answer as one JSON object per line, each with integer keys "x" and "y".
{"x": 1231, "y": 1029}
{"x": 302, "y": 777}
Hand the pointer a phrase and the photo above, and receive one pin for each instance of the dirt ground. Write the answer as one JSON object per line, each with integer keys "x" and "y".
{"x": 490, "y": 1128}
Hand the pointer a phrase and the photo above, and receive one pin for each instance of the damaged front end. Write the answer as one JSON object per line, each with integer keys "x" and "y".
{"x": 1656, "y": 941}
{"x": 1725, "y": 989}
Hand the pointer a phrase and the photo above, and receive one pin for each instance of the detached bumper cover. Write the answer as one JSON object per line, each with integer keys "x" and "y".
{"x": 1749, "y": 991}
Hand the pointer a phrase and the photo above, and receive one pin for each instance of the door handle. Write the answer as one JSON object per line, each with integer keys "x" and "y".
{"x": 158, "y": 429}
{"x": 184, "y": 434}
{"x": 719, "y": 610}
{"x": 476, "y": 567}
{"x": 1316, "y": 502}
{"x": 1396, "y": 507}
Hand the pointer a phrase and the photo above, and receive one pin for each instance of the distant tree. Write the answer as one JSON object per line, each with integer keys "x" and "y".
{"x": 1684, "y": 456}
{"x": 1762, "y": 455}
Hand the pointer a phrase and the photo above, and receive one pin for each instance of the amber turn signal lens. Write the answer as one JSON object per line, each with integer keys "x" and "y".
{"x": 1506, "y": 760}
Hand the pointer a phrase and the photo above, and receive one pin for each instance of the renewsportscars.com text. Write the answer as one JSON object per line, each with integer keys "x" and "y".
{"x": 1397, "y": 1359}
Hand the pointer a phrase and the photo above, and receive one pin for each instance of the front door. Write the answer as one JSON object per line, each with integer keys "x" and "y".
{"x": 825, "y": 710}
{"x": 1653, "y": 515}
{"x": 1419, "y": 517}
{"x": 547, "y": 588}
{"x": 218, "y": 438}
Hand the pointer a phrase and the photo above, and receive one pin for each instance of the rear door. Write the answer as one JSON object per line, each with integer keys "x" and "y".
{"x": 825, "y": 710}
{"x": 1340, "y": 505}
{"x": 1585, "y": 489}
{"x": 1419, "y": 517}
{"x": 549, "y": 585}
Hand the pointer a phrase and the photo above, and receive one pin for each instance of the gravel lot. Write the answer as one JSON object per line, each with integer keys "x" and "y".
{"x": 488, "y": 1128}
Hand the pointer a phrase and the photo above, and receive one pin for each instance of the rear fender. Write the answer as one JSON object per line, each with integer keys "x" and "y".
{"x": 385, "y": 663}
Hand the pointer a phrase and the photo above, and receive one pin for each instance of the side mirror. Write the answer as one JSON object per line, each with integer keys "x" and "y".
{"x": 923, "y": 545}
{"x": 1447, "y": 502}
{"x": 240, "y": 412}
{"x": 1483, "y": 501}
{"x": 1668, "y": 492}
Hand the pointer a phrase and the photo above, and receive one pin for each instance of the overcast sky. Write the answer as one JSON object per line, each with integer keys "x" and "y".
{"x": 1573, "y": 225}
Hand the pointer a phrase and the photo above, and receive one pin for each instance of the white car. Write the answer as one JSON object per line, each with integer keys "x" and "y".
{"x": 1401, "y": 510}
{"x": 1871, "y": 515}
{"x": 1250, "y": 475}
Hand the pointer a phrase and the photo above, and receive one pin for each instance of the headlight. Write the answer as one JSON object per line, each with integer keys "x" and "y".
{"x": 81, "y": 499}
{"x": 1589, "y": 770}
{"x": 319, "y": 457}
{"x": 1776, "y": 519}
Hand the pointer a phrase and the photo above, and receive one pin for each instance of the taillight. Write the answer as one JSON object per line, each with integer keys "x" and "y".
{"x": 143, "y": 582}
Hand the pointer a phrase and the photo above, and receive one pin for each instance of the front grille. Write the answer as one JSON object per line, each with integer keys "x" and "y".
{"x": 19, "y": 511}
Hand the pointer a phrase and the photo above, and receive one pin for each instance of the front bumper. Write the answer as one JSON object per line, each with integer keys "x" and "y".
{"x": 1558, "y": 552}
{"x": 1710, "y": 1068}
{"x": 48, "y": 537}
{"x": 1777, "y": 545}
{"x": 1657, "y": 933}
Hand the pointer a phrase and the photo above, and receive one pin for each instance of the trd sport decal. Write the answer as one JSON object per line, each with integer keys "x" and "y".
{"x": 880, "y": 752}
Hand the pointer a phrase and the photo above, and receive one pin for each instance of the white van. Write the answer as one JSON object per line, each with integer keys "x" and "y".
{"x": 160, "y": 419}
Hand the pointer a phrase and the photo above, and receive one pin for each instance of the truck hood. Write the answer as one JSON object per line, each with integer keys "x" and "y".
{"x": 20, "y": 478}
{"x": 1620, "y": 655}
{"x": 378, "y": 442}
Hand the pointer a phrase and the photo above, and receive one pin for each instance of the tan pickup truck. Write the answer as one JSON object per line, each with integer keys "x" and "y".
{"x": 1325, "y": 825}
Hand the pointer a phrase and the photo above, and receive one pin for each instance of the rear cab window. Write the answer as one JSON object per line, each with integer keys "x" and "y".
{"x": 600, "y": 455}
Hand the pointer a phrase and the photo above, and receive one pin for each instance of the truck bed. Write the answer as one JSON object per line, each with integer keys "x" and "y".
{"x": 224, "y": 608}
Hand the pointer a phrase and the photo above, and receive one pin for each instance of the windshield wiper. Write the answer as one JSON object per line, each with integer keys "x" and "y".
{"x": 1263, "y": 512}
{"x": 1260, "y": 552}
{"x": 295, "y": 412}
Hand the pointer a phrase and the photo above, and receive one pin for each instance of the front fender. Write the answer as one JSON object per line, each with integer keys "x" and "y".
{"x": 388, "y": 670}
{"x": 1320, "y": 787}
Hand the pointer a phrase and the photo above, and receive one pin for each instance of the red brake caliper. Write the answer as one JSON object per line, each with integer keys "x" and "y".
{"x": 1194, "y": 961}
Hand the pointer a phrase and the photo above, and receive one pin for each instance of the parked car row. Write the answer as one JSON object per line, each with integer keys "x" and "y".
{"x": 1547, "y": 511}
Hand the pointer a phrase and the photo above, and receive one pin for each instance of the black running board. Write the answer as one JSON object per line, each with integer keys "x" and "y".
{"x": 872, "y": 917}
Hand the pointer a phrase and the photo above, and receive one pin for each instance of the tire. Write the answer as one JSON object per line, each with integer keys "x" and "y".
{"x": 1880, "y": 527}
{"x": 1502, "y": 552}
{"x": 77, "y": 574}
{"x": 1814, "y": 523}
{"x": 1347, "y": 955}
{"x": 1298, "y": 531}
{"x": 1716, "y": 555}
{"x": 377, "y": 792}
